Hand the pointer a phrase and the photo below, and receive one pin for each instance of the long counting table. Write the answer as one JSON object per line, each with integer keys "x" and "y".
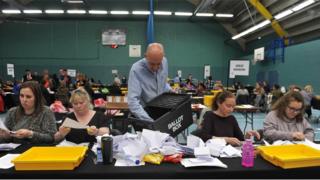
{"x": 87, "y": 169}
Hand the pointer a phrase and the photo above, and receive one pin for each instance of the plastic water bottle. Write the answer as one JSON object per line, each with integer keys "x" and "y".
{"x": 99, "y": 156}
{"x": 247, "y": 154}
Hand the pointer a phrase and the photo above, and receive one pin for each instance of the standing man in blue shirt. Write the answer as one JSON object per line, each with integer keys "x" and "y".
{"x": 147, "y": 79}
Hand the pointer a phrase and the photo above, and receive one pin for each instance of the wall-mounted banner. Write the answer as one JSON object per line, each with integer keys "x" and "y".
{"x": 10, "y": 70}
{"x": 206, "y": 71}
{"x": 72, "y": 72}
{"x": 238, "y": 68}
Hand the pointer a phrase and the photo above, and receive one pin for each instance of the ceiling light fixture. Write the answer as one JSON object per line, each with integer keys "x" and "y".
{"x": 205, "y": 14}
{"x": 119, "y": 12}
{"x": 225, "y": 15}
{"x": 75, "y": 1}
{"x": 254, "y": 28}
{"x": 54, "y": 11}
{"x": 32, "y": 11}
{"x": 76, "y": 11}
{"x": 163, "y": 13}
{"x": 303, "y": 5}
{"x": 183, "y": 13}
{"x": 98, "y": 12}
{"x": 283, "y": 14}
{"x": 11, "y": 11}
{"x": 141, "y": 12}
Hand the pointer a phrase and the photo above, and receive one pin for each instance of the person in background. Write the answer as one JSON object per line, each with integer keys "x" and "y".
{"x": 218, "y": 86}
{"x": 16, "y": 86}
{"x": 276, "y": 93}
{"x": 189, "y": 77}
{"x": 307, "y": 94}
{"x": 242, "y": 95}
{"x": 236, "y": 85}
{"x": 147, "y": 79}
{"x": 124, "y": 81}
{"x": 47, "y": 81}
{"x": 177, "y": 79}
{"x": 286, "y": 121}
{"x": 31, "y": 121}
{"x": 82, "y": 81}
{"x": 242, "y": 91}
{"x": 266, "y": 87}
{"x": 201, "y": 89}
{"x": 189, "y": 85}
{"x": 64, "y": 77}
{"x": 259, "y": 100}
{"x": 27, "y": 76}
{"x": 220, "y": 123}
{"x": 83, "y": 113}
{"x": 115, "y": 88}
{"x": 209, "y": 83}
{"x": 294, "y": 88}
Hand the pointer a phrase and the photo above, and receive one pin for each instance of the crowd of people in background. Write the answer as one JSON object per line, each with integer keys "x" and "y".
{"x": 276, "y": 100}
{"x": 262, "y": 95}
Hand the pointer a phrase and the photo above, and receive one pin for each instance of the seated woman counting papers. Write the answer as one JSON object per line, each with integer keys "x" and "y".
{"x": 31, "y": 121}
{"x": 286, "y": 120}
{"x": 96, "y": 122}
{"x": 219, "y": 123}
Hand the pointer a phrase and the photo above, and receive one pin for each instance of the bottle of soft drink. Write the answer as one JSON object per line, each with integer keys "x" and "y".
{"x": 106, "y": 148}
{"x": 247, "y": 154}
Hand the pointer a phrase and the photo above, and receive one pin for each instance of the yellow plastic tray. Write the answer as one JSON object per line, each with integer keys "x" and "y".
{"x": 50, "y": 158}
{"x": 291, "y": 156}
{"x": 208, "y": 99}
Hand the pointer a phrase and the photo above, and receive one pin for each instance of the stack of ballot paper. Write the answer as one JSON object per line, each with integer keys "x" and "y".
{"x": 5, "y": 161}
{"x": 196, "y": 162}
{"x": 70, "y": 123}
{"x": 69, "y": 143}
{"x": 8, "y": 146}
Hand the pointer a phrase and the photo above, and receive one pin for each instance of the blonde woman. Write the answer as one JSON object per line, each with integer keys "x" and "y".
{"x": 83, "y": 113}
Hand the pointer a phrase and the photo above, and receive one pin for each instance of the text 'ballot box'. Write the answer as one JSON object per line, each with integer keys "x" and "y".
{"x": 171, "y": 113}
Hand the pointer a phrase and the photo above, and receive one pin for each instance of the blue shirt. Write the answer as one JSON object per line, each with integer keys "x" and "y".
{"x": 144, "y": 85}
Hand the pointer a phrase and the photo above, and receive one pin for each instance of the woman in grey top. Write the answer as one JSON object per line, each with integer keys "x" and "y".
{"x": 286, "y": 121}
{"x": 31, "y": 121}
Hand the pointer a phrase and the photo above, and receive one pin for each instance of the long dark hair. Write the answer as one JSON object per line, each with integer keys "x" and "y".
{"x": 220, "y": 98}
{"x": 281, "y": 105}
{"x": 39, "y": 101}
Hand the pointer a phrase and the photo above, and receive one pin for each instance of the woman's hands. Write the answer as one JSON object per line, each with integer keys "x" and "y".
{"x": 22, "y": 133}
{"x": 298, "y": 136}
{"x": 63, "y": 131}
{"x": 252, "y": 133}
{"x": 4, "y": 133}
{"x": 232, "y": 141}
{"x": 93, "y": 131}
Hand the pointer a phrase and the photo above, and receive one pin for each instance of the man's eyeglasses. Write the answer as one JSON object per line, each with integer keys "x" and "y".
{"x": 294, "y": 110}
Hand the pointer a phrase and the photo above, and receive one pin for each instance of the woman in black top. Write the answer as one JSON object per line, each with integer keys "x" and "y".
{"x": 83, "y": 113}
{"x": 220, "y": 123}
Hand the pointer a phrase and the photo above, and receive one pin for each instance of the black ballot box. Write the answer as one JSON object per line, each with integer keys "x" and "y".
{"x": 171, "y": 113}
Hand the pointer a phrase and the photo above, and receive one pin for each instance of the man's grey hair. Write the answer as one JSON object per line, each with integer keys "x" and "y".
{"x": 152, "y": 45}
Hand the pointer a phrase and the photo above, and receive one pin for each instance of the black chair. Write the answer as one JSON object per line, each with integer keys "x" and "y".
{"x": 197, "y": 132}
{"x": 59, "y": 118}
{"x": 115, "y": 132}
{"x": 114, "y": 90}
{"x": 242, "y": 99}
